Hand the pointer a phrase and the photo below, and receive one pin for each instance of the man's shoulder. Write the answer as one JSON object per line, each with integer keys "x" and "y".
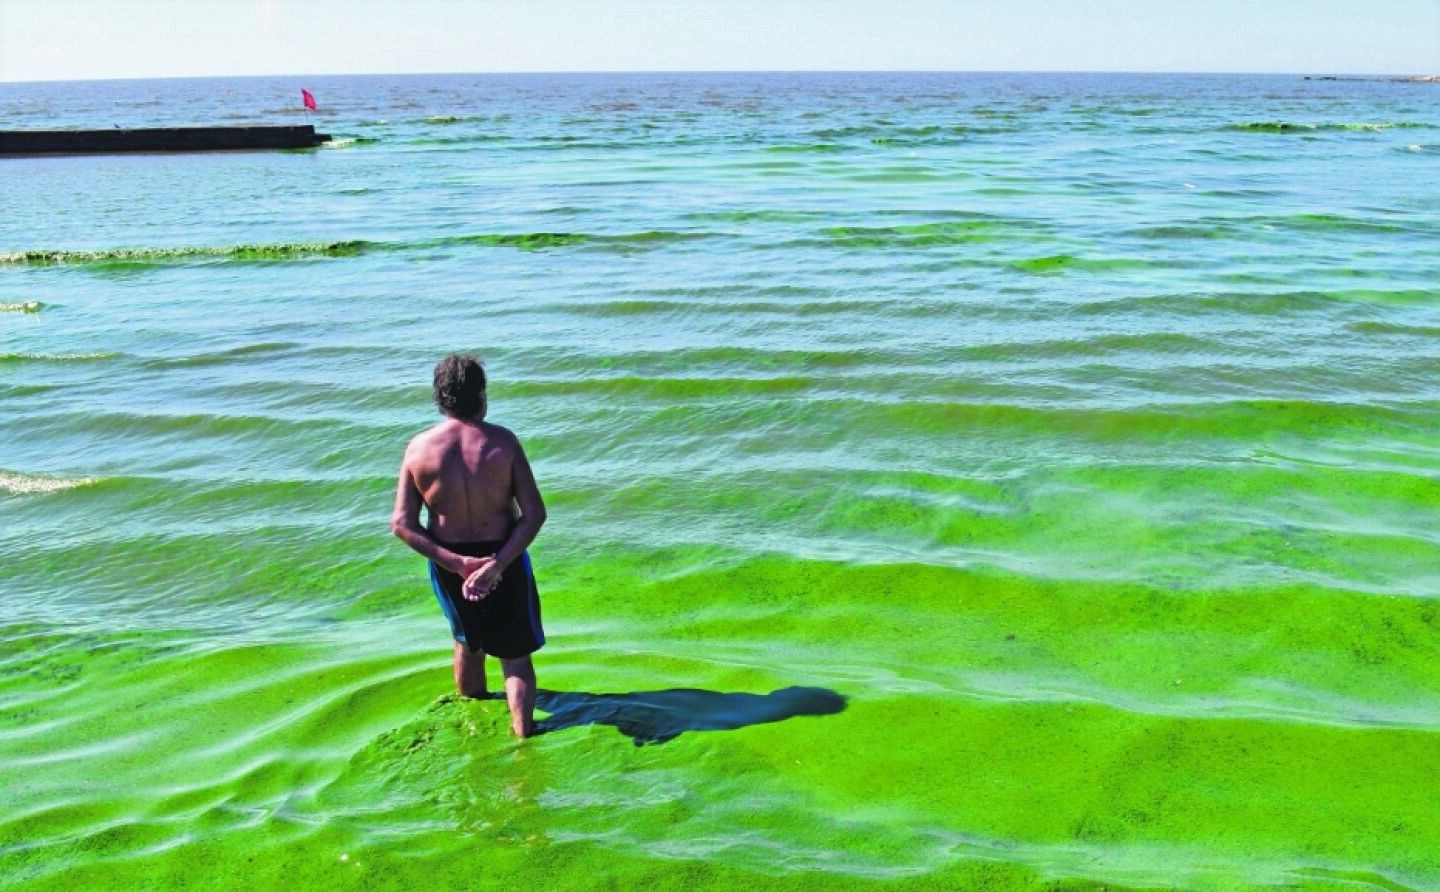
{"x": 501, "y": 434}
{"x": 428, "y": 438}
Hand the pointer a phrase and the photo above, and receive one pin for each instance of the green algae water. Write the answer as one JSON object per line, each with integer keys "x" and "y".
{"x": 955, "y": 481}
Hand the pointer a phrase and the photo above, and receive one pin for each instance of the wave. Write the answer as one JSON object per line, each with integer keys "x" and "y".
{"x": 459, "y": 119}
{"x": 909, "y": 174}
{"x": 665, "y": 388}
{"x": 1228, "y": 227}
{"x": 833, "y": 133}
{"x": 553, "y": 142}
{"x": 711, "y": 359}
{"x": 805, "y": 148}
{"x": 913, "y": 236}
{"x": 57, "y": 357}
{"x": 1180, "y": 232}
{"x": 29, "y": 484}
{"x": 878, "y": 135}
{"x": 1229, "y": 420}
{"x": 345, "y": 142}
{"x": 1248, "y": 303}
{"x": 1151, "y": 343}
{"x": 19, "y": 390}
{"x": 757, "y": 216}
{"x": 458, "y": 140}
{"x": 533, "y": 241}
{"x": 1387, "y": 296}
{"x": 530, "y": 241}
{"x": 653, "y": 306}
{"x": 1300, "y": 127}
{"x": 727, "y": 291}
{"x": 851, "y": 392}
{"x": 1061, "y": 262}
{"x": 145, "y": 256}
{"x": 26, "y": 306}
{"x": 1336, "y": 223}
{"x": 221, "y": 357}
{"x": 257, "y": 424}
{"x": 1395, "y": 328}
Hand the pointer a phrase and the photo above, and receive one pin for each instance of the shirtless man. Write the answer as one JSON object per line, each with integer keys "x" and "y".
{"x": 472, "y": 476}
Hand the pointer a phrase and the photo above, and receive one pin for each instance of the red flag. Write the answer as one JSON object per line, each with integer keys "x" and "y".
{"x": 309, "y": 99}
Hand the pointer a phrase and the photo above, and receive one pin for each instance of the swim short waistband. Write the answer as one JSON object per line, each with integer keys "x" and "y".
{"x": 482, "y": 548}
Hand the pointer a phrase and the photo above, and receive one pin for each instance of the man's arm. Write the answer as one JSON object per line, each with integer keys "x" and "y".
{"x": 532, "y": 509}
{"x": 532, "y": 516}
{"x": 405, "y": 524}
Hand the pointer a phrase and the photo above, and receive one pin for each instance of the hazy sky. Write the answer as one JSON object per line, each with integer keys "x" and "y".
{"x": 61, "y": 39}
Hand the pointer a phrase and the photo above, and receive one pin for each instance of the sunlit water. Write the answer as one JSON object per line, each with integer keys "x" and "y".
{"x": 955, "y": 480}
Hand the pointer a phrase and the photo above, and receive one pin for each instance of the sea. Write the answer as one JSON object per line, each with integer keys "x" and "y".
{"x": 955, "y": 481}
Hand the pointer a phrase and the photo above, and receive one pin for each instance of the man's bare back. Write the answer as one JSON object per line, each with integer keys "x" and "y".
{"x": 473, "y": 480}
{"x": 464, "y": 475}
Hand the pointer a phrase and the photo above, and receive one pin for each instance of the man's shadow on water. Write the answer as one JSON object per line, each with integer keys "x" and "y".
{"x": 659, "y": 716}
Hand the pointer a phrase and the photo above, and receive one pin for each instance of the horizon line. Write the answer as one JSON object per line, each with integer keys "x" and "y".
{"x": 637, "y": 71}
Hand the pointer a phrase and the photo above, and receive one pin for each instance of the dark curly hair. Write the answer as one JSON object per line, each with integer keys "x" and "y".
{"x": 459, "y": 385}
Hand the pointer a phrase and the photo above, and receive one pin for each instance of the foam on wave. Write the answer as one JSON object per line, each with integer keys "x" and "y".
{"x": 28, "y": 484}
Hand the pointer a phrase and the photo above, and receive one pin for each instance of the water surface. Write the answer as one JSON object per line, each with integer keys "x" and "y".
{"x": 990, "y": 481}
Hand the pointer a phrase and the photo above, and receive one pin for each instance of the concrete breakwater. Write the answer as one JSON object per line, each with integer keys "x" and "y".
{"x": 158, "y": 139}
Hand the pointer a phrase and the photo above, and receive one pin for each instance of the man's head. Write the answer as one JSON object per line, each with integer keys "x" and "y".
{"x": 460, "y": 386}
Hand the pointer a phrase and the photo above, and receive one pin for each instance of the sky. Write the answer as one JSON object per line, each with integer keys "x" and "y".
{"x": 92, "y": 39}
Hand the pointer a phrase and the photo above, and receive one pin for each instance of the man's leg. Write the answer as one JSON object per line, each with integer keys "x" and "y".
{"x": 520, "y": 692}
{"x": 469, "y": 671}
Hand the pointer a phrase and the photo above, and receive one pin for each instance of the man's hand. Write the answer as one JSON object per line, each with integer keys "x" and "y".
{"x": 483, "y": 576}
{"x": 468, "y": 565}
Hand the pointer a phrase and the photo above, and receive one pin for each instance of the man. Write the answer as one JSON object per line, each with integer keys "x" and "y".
{"x": 472, "y": 476}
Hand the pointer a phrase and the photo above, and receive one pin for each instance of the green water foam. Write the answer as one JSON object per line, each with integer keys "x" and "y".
{"x": 1059, "y": 263}
{"x": 1000, "y": 733}
{"x": 142, "y": 256}
{"x": 1300, "y": 127}
{"x": 917, "y": 235}
{"x": 528, "y": 241}
{"x": 57, "y": 357}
